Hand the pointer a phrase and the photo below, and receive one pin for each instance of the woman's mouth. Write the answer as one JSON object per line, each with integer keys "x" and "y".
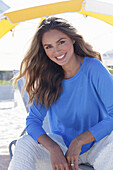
{"x": 60, "y": 58}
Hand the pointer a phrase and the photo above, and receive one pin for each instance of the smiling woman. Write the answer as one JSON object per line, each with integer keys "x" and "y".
{"x": 39, "y": 62}
{"x": 59, "y": 47}
{"x": 65, "y": 77}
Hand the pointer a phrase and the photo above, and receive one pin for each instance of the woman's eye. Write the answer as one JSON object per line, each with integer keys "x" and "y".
{"x": 62, "y": 42}
{"x": 47, "y": 47}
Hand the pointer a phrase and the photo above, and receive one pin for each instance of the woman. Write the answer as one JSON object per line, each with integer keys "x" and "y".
{"x": 65, "y": 78}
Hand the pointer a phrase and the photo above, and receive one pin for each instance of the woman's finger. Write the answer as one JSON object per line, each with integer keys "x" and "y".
{"x": 61, "y": 167}
{"x": 68, "y": 160}
{"x": 64, "y": 166}
{"x": 76, "y": 164}
{"x": 56, "y": 167}
{"x": 53, "y": 166}
{"x": 72, "y": 164}
{"x": 67, "y": 167}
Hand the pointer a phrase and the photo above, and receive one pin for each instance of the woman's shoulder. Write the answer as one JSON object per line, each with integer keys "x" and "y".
{"x": 93, "y": 64}
{"x": 93, "y": 61}
{"x": 94, "y": 67}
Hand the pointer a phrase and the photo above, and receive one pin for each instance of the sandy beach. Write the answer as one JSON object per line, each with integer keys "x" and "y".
{"x": 12, "y": 123}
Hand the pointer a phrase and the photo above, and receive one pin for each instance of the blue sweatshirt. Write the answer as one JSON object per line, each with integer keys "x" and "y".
{"x": 86, "y": 103}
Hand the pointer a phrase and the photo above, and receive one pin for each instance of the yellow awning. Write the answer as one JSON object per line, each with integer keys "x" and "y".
{"x": 44, "y": 10}
{"x": 106, "y": 18}
{"x": 5, "y": 26}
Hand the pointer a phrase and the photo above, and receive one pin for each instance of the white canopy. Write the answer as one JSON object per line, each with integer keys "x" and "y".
{"x": 99, "y": 6}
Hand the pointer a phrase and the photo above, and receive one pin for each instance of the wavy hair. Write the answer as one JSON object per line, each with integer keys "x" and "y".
{"x": 43, "y": 76}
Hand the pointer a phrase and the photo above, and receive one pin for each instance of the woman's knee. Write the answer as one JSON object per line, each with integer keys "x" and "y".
{"x": 24, "y": 154}
{"x": 25, "y": 143}
{"x": 105, "y": 158}
{"x": 25, "y": 139}
{"x": 101, "y": 155}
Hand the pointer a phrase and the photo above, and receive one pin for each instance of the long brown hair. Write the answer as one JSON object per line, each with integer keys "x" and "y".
{"x": 43, "y": 76}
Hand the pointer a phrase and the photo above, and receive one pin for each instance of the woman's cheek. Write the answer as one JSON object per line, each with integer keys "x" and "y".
{"x": 66, "y": 47}
{"x": 48, "y": 54}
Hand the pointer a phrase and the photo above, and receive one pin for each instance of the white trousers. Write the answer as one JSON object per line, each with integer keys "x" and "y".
{"x": 29, "y": 155}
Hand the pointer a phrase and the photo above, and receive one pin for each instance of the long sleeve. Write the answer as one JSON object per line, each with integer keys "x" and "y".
{"x": 103, "y": 84}
{"x": 34, "y": 121}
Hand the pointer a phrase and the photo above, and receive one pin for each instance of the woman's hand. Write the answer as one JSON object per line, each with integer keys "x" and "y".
{"x": 74, "y": 150}
{"x": 72, "y": 154}
{"x": 58, "y": 159}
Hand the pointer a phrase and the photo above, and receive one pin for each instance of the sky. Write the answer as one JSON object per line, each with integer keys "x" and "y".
{"x": 14, "y": 45}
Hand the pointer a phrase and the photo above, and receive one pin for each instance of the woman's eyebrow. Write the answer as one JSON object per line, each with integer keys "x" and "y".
{"x": 56, "y": 41}
{"x": 60, "y": 39}
{"x": 46, "y": 45}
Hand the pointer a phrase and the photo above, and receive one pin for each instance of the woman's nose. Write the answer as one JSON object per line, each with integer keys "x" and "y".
{"x": 56, "y": 49}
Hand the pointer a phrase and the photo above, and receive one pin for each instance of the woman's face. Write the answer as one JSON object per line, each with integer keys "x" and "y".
{"x": 58, "y": 47}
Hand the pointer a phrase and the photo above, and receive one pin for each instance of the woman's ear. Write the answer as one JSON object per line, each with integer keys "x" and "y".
{"x": 73, "y": 41}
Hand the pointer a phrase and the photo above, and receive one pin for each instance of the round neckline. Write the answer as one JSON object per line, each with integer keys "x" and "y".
{"x": 76, "y": 75}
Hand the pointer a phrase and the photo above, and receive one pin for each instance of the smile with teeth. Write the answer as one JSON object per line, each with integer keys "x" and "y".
{"x": 60, "y": 57}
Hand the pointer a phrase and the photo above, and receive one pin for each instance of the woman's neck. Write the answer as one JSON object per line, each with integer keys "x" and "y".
{"x": 72, "y": 69}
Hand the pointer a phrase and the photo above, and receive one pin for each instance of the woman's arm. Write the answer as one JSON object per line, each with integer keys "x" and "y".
{"x": 34, "y": 127}
{"x": 58, "y": 159}
{"x": 102, "y": 83}
{"x": 74, "y": 150}
{"x": 47, "y": 142}
{"x": 85, "y": 138}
